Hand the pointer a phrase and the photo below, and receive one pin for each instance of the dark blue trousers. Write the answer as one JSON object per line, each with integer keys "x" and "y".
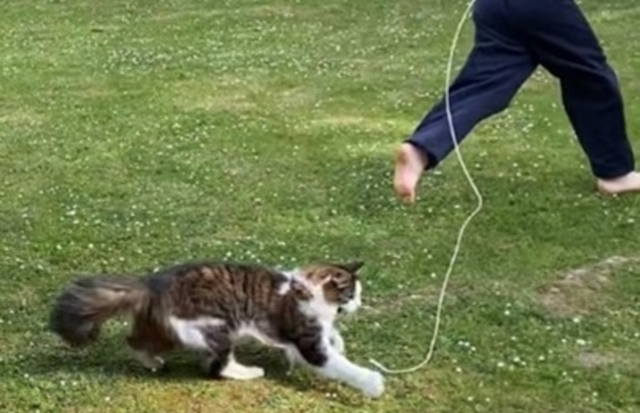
{"x": 514, "y": 37}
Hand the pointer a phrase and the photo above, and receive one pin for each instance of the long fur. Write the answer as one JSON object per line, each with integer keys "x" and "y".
{"x": 209, "y": 307}
{"x": 82, "y": 308}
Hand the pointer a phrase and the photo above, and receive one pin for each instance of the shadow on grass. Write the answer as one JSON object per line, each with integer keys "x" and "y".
{"x": 109, "y": 359}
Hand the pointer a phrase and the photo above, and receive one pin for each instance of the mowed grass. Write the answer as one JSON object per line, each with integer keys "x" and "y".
{"x": 138, "y": 134}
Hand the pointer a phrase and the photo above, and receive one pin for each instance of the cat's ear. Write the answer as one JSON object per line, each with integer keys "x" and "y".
{"x": 301, "y": 291}
{"x": 352, "y": 267}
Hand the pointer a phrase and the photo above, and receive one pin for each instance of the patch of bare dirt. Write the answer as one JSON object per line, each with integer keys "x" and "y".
{"x": 592, "y": 360}
{"x": 227, "y": 94}
{"x": 21, "y": 117}
{"x": 577, "y": 292}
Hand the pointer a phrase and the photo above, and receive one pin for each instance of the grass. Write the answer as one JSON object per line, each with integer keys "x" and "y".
{"x": 137, "y": 134}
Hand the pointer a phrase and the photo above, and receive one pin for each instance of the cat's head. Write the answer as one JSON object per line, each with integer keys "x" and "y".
{"x": 339, "y": 283}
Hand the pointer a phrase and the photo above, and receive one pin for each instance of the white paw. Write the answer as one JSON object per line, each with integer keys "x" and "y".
{"x": 158, "y": 364}
{"x": 246, "y": 373}
{"x": 373, "y": 385}
{"x": 152, "y": 363}
{"x": 237, "y": 371}
{"x": 254, "y": 373}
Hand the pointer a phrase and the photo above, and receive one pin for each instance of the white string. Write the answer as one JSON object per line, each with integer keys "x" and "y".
{"x": 478, "y": 195}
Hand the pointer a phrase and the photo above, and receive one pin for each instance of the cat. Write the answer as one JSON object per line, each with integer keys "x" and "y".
{"x": 209, "y": 307}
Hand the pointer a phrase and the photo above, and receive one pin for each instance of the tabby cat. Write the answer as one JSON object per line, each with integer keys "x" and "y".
{"x": 209, "y": 307}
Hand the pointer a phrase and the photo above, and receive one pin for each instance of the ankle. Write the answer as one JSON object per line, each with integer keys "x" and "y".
{"x": 415, "y": 152}
{"x": 618, "y": 177}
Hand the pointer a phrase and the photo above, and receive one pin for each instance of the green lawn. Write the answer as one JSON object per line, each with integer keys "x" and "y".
{"x": 136, "y": 134}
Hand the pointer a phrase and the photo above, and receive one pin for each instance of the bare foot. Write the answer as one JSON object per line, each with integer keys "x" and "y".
{"x": 410, "y": 164}
{"x": 618, "y": 186}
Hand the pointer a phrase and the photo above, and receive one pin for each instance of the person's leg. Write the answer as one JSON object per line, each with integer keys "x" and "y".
{"x": 495, "y": 70}
{"x": 564, "y": 43}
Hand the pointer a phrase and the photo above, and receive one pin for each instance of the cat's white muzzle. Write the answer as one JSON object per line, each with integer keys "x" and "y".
{"x": 353, "y": 305}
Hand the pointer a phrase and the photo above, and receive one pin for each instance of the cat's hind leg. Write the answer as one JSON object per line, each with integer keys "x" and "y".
{"x": 145, "y": 357}
{"x": 153, "y": 363}
{"x": 147, "y": 341}
{"x": 220, "y": 360}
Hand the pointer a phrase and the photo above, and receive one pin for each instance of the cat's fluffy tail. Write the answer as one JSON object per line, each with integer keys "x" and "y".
{"x": 82, "y": 308}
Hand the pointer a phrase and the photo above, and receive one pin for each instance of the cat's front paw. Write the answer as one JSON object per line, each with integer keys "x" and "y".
{"x": 373, "y": 384}
{"x": 292, "y": 359}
